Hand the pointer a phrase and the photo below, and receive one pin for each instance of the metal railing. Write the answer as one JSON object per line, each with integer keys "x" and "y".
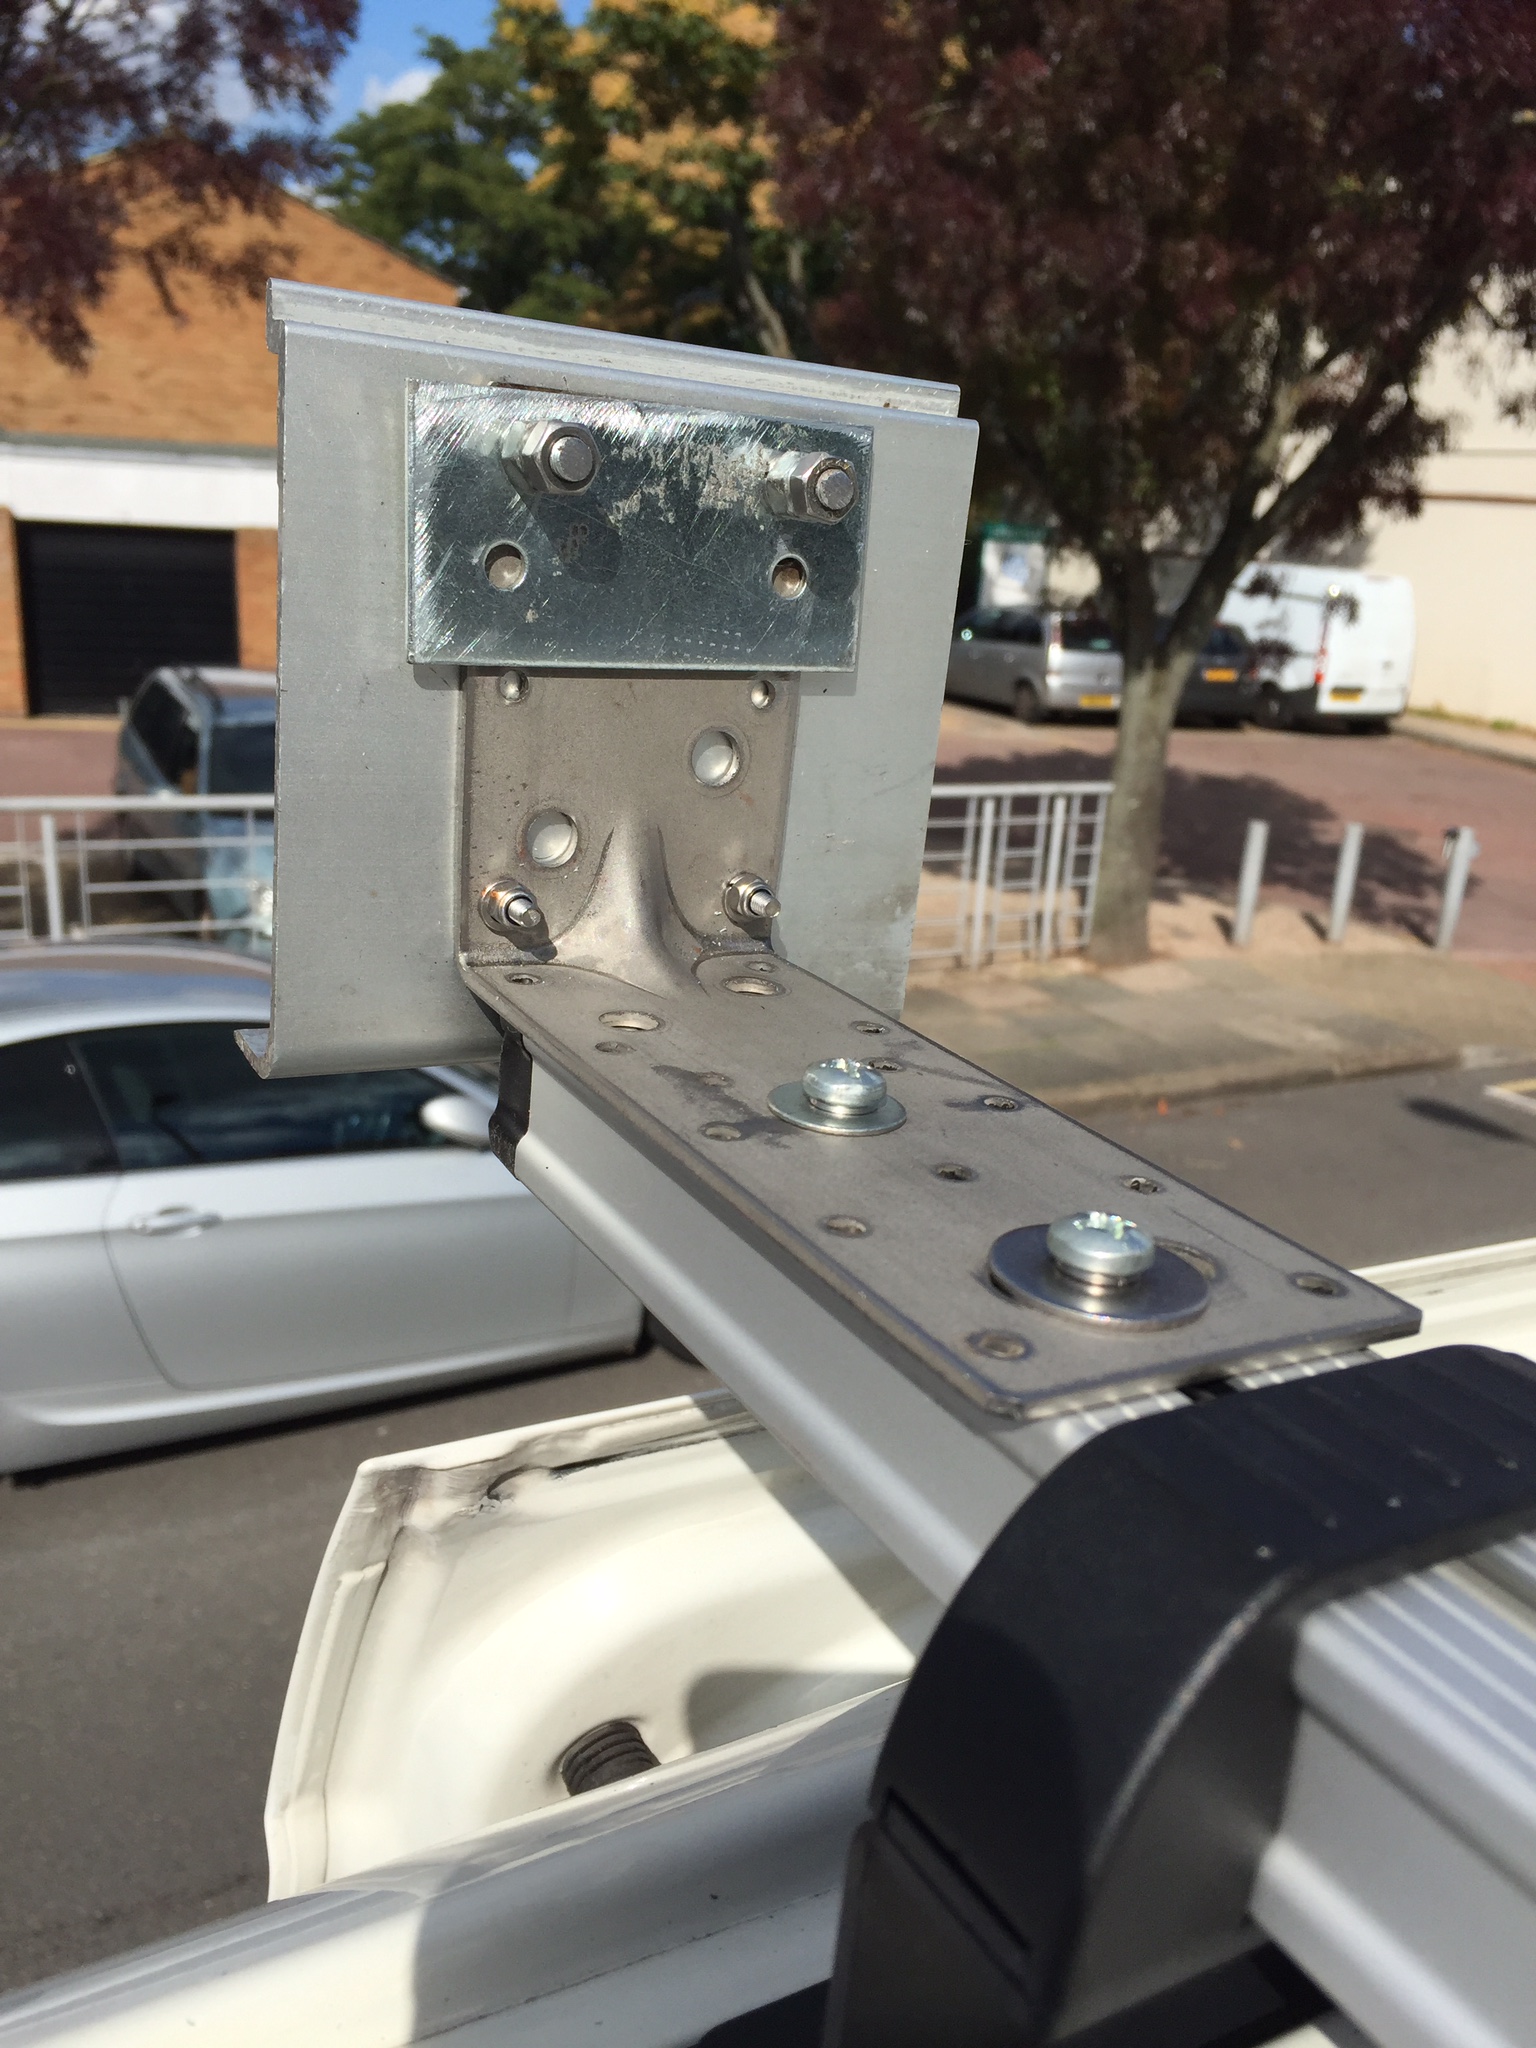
{"x": 72, "y": 867}
{"x": 1009, "y": 868}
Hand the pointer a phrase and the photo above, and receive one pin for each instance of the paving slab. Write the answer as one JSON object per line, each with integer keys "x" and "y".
{"x": 1179, "y": 1030}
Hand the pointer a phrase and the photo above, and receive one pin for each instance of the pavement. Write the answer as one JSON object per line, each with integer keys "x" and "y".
{"x": 151, "y": 1608}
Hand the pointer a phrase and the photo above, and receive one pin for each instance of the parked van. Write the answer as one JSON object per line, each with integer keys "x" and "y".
{"x": 1333, "y": 643}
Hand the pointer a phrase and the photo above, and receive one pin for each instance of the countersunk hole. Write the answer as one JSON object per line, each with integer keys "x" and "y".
{"x": 950, "y": 1171}
{"x": 724, "y": 1132}
{"x": 715, "y": 1080}
{"x": 524, "y": 980}
{"x": 715, "y": 758}
{"x": 763, "y": 694}
{"x": 870, "y": 1028}
{"x": 998, "y": 1344}
{"x": 505, "y": 566}
{"x": 1202, "y": 1262}
{"x": 549, "y": 838}
{"x": 789, "y": 577}
{"x": 1000, "y": 1102}
{"x": 845, "y": 1226}
{"x": 629, "y": 1020}
{"x": 1140, "y": 1185}
{"x": 886, "y": 1066}
{"x": 1315, "y": 1283}
{"x": 751, "y": 985}
{"x": 612, "y": 1045}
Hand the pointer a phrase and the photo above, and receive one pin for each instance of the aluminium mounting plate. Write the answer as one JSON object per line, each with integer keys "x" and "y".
{"x": 894, "y": 1233}
{"x": 666, "y": 559}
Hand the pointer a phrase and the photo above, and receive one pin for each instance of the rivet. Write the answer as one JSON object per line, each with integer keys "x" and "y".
{"x": 845, "y": 1226}
{"x": 998, "y": 1344}
{"x": 723, "y": 1132}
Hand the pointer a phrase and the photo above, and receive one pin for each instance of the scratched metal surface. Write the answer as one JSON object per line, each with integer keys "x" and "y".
{"x": 665, "y": 560}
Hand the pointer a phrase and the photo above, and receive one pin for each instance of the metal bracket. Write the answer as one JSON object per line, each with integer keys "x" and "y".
{"x": 674, "y": 541}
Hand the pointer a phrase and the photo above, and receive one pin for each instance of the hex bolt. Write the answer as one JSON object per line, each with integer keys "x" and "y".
{"x": 1100, "y": 1249}
{"x": 803, "y": 485}
{"x": 550, "y": 456}
{"x": 749, "y": 901}
{"x": 511, "y": 909}
{"x": 843, "y": 1088}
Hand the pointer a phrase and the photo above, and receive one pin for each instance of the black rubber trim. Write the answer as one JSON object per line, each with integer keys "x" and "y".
{"x": 1092, "y": 1753}
{"x": 509, "y": 1119}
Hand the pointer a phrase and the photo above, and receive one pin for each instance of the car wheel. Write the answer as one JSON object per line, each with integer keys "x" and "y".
{"x": 1272, "y": 712}
{"x": 1027, "y": 705}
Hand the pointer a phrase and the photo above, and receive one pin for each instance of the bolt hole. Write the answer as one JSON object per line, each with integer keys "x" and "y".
{"x": 886, "y": 1066}
{"x": 751, "y": 985}
{"x": 1316, "y": 1283}
{"x": 1140, "y": 1185}
{"x": 871, "y": 1029}
{"x": 724, "y": 1132}
{"x": 612, "y": 1045}
{"x": 550, "y": 838}
{"x": 998, "y": 1344}
{"x": 950, "y": 1171}
{"x": 845, "y": 1226}
{"x": 763, "y": 694}
{"x": 1000, "y": 1102}
{"x": 524, "y": 980}
{"x": 629, "y": 1020}
{"x": 789, "y": 577}
{"x": 715, "y": 759}
{"x": 505, "y": 566}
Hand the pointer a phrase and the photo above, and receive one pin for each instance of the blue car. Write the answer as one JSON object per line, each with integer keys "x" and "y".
{"x": 204, "y": 732}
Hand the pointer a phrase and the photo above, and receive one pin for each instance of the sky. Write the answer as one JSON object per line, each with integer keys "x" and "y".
{"x": 385, "y": 62}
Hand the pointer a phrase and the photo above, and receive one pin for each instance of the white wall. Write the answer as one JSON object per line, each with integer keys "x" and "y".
{"x": 107, "y": 486}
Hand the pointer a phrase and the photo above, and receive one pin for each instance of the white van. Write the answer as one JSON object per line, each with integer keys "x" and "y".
{"x": 1349, "y": 637}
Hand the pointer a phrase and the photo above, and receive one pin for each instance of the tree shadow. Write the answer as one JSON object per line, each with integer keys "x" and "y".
{"x": 1205, "y": 816}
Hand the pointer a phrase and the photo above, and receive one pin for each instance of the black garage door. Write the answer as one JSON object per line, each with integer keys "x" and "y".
{"x": 102, "y": 605}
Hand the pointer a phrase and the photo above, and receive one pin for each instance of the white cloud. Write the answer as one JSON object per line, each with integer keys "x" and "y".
{"x": 408, "y": 85}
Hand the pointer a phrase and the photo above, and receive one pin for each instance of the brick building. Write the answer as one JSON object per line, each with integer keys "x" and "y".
{"x": 138, "y": 500}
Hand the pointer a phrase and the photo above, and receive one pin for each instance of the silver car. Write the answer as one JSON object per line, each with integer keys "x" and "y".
{"x": 1036, "y": 664}
{"x": 186, "y": 1248}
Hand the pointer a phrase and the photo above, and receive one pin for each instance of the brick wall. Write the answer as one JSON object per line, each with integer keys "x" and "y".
{"x": 256, "y": 596}
{"x": 13, "y": 658}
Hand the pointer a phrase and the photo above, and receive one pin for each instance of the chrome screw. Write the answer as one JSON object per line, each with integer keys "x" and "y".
{"x": 1099, "y": 1248}
{"x": 749, "y": 901}
{"x": 843, "y": 1088}
{"x": 511, "y": 909}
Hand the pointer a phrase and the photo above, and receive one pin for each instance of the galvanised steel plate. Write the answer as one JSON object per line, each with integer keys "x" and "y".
{"x": 665, "y": 560}
{"x": 894, "y": 1230}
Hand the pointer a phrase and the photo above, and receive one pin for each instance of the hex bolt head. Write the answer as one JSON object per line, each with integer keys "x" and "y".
{"x": 843, "y": 1087}
{"x": 556, "y": 456}
{"x": 1099, "y": 1248}
{"x": 749, "y": 901}
{"x": 511, "y": 909}
{"x": 802, "y": 485}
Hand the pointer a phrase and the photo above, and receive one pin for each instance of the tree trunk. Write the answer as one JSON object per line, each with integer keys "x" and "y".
{"x": 1133, "y": 829}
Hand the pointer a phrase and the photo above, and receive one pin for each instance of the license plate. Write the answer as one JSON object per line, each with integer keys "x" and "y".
{"x": 1221, "y": 675}
{"x": 1346, "y": 696}
{"x": 1101, "y": 701}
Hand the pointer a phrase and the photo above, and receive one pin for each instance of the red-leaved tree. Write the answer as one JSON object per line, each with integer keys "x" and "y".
{"x": 1186, "y": 259}
{"x": 105, "y": 103}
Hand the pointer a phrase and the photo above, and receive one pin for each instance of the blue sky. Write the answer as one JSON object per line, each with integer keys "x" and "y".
{"x": 384, "y": 63}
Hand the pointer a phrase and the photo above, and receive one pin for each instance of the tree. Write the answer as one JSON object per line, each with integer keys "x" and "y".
{"x": 1187, "y": 260}
{"x": 104, "y": 103}
{"x": 615, "y": 172}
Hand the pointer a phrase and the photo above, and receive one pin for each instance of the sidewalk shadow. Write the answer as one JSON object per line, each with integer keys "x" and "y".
{"x": 1205, "y": 816}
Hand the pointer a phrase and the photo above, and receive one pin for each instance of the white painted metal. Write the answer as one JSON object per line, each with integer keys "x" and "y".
{"x": 1483, "y": 1296}
{"x": 118, "y": 484}
{"x": 1009, "y": 870}
{"x": 483, "y": 1604}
